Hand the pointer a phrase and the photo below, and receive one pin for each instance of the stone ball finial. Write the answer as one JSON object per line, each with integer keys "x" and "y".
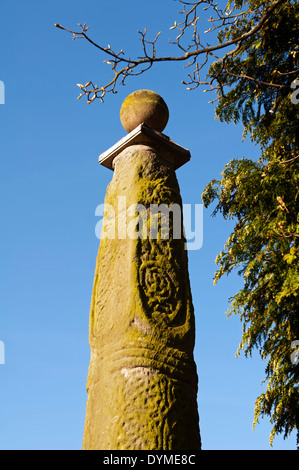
{"x": 144, "y": 106}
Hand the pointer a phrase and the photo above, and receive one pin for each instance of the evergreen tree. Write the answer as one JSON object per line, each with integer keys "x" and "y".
{"x": 262, "y": 196}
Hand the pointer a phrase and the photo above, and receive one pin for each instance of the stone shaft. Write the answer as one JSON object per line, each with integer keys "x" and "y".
{"x": 142, "y": 380}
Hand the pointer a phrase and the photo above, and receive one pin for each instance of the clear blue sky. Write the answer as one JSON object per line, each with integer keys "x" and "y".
{"x": 51, "y": 183}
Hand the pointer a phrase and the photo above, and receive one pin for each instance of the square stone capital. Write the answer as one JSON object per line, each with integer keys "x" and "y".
{"x": 143, "y": 134}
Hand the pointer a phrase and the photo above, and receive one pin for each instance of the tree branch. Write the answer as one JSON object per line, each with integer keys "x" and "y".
{"x": 138, "y": 66}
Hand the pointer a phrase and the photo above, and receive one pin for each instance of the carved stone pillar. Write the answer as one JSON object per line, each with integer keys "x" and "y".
{"x": 142, "y": 380}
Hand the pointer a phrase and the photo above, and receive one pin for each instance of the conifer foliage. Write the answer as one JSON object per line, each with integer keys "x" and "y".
{"x": 262, "y": 197}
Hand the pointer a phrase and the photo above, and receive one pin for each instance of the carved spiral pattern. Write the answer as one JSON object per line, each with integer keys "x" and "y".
{"x": 161, "y": 290}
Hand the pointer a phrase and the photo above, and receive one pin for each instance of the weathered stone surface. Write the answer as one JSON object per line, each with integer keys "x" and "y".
{"x": 142, "y": 381}
{"x": 144, "y": 106}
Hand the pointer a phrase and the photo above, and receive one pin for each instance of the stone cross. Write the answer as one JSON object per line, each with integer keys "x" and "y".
{"x": 142, "y": 379}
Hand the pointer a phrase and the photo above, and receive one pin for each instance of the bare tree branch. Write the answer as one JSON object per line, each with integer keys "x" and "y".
{"x": 124, "y": 67}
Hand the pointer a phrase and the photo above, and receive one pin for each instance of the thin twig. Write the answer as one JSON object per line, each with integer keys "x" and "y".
{"x": 191, "y": 53}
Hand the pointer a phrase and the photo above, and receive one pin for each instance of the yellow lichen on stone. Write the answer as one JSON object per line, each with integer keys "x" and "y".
{"x": 142, "y": 381}
{"x": 144, "y": 106}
